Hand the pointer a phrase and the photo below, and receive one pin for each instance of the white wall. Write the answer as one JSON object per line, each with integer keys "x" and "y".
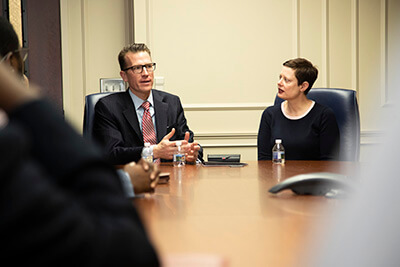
{"x": 223, "y": 57}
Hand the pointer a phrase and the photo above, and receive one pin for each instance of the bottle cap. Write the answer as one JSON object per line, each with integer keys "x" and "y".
{"x": 146, "y": 144}
{"x": 178, "y": 143}
{"x": 278, "y": 141}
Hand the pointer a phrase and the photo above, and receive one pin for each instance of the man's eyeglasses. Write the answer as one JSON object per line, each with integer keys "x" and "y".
{"x": 23, "y": 52}
{"x": 139, "y": 68}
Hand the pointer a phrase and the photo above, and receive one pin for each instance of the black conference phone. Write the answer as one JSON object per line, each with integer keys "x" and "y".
{"x": 318, "y": 184}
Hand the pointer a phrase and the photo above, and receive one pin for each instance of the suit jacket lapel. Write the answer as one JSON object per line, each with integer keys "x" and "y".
{"x": 129, "y": 112}
{"x": 161, "y": 109}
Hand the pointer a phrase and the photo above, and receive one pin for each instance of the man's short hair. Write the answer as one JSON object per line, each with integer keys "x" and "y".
{"x": 134, "y": 48}
{"x": 8, "y": 38}
{"x": 304, "y": 71}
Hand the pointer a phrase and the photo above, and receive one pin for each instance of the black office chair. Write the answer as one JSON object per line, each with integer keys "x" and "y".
{"x": 90, "y": 103}
{"x": 343, "y": 102}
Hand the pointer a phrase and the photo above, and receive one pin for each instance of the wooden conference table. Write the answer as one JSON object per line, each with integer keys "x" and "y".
{"x": 228, "y": 212}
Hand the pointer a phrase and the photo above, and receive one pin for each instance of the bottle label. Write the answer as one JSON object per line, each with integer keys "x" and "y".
{"x": 148, "y": 158}
{"x": 277, "y": 155}
{"x": 147, "y": 155}
{"x": 179, "y": 157}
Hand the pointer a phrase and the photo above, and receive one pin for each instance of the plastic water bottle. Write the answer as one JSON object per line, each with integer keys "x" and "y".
{"x": 278, "y": 152}
{"x": 179, "y": 157}
{"x": 147, "y": 153}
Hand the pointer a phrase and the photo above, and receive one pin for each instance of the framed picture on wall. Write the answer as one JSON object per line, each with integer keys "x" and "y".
{"x": 112, "y": 85}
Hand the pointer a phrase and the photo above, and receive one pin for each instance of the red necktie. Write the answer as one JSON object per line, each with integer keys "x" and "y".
{"x": 149, "y": 135}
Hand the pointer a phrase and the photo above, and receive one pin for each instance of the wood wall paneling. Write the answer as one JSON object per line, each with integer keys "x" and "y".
{"x": 44, "y": 42}
{"x": 3, "y": 8}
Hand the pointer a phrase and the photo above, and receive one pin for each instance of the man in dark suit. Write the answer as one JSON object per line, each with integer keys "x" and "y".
{"x": 119, "y": 118}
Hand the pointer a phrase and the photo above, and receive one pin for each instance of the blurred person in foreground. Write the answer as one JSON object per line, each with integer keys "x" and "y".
{"x": 61, "y": 203}
{"x": 364, "y": 230}
{"x": 12, "y": 55}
